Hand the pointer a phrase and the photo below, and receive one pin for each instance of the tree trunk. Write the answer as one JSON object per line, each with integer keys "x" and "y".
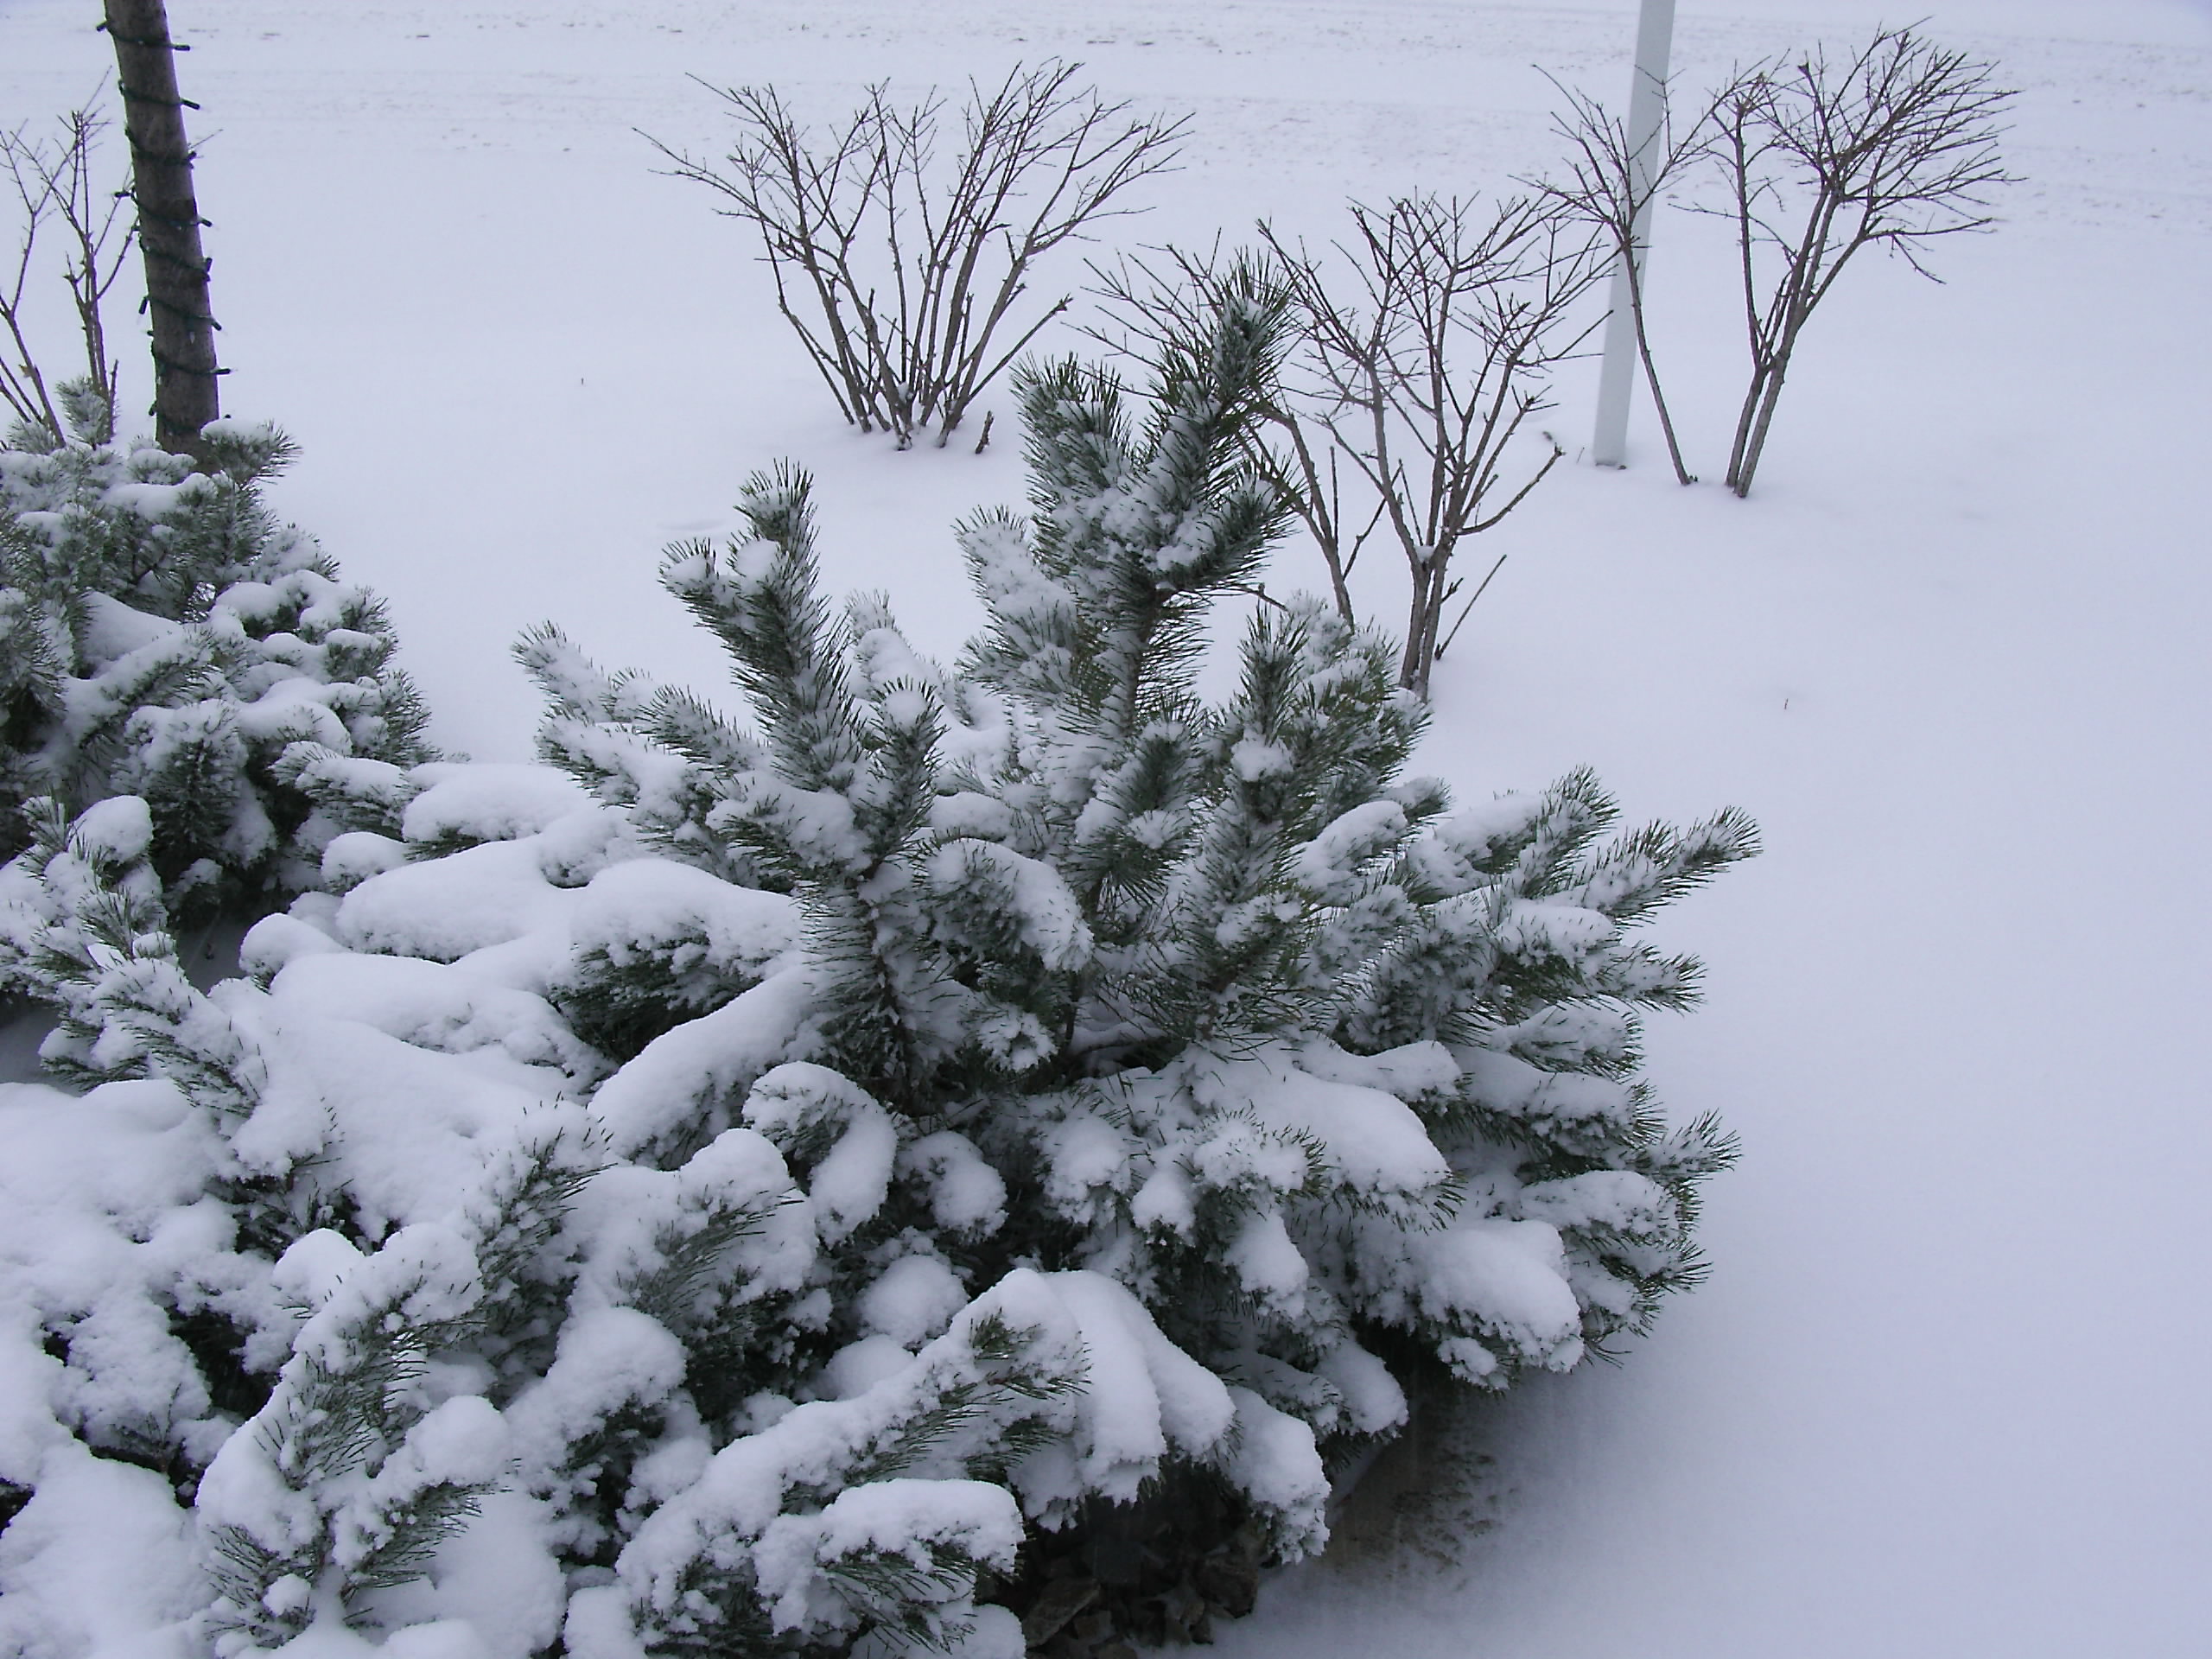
{"x": 186, "y": 397}
{"x": 1420, "y": 653}
{"x": 1651, "y": 377}
{"x": 1744, "y": 420}
{"x": 1750, "y": 463}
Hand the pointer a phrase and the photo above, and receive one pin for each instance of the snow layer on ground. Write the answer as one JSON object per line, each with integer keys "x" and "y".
{"x": 1943, "y": 1394}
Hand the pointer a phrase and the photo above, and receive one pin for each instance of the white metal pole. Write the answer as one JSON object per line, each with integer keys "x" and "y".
{"x": 1646, "y": 108}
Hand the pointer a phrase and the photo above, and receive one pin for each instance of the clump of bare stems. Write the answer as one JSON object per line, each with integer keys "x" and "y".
{"x": 57, "y": 183}
{"x": 1817, "y": 157}
{"x": 1427, "y": 341}
{"x": 902, "y": 274}
{"x": 1893, "y": 147}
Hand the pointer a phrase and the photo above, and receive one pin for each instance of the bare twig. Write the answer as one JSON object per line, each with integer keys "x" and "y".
{"x": 1467, "y": 609}
{"x": 57, "y": 179}
{"x": 1259, "y": 590}
{"x": 22, "y": 383}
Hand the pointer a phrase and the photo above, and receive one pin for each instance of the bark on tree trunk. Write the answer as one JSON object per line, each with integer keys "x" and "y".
{"x": 1744, "y": 419}
{"x": 1420, "y": 656}
{"x": 1751, "y": 464}
{"x": 186, "y": 397}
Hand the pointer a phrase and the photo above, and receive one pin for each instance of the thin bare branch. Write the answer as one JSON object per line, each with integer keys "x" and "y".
{"x": 57, "y": 183}
{"x": 1607, "y": 187}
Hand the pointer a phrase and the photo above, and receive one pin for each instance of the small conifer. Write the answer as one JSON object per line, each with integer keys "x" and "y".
{"x": 163, "y": 635}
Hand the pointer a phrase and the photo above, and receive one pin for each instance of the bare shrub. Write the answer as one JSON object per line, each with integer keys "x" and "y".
{"x": 57, "y": 184}
{"x": 899, "y": 275}
{"x": 1609, "y": 187}
{"x": 1426, "y": 342}
{"x": 1894, "y": 147}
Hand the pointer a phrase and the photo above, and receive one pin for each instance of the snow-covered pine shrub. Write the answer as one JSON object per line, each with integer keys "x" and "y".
{"x": 163, "y": 635}
{"x": 1029, "y": 1097}
{"x": 267, "y": 1267}
{"x": 1208, "y": 1003}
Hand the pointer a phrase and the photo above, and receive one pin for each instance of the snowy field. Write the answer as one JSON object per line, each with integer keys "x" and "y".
{"x": 1944, "y": 1394}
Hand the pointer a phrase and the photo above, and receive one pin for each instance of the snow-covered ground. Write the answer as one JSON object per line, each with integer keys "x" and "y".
{"x": 1943, "y": 1394}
